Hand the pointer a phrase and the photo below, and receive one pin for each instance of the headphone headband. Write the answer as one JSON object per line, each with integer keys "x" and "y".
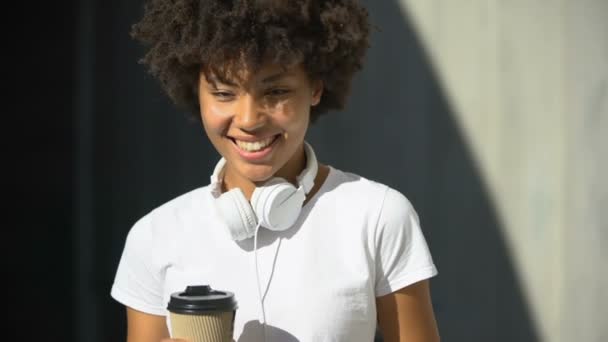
{"x": 307, "y": 177}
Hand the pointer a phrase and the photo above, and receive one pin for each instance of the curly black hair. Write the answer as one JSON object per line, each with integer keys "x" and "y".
{"x": 187, "y": 37}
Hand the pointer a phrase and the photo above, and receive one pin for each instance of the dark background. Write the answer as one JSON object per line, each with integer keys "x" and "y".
{"x": 92, "y": 144}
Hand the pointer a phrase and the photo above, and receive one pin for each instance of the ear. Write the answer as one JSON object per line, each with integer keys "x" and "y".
{"x": 317, "y": 92}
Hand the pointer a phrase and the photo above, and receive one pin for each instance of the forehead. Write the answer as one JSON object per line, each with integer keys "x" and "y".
{"x": 243, "y": 74}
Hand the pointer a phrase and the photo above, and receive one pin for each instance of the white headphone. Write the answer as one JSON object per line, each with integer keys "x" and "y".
{"x": 275, "y": 205}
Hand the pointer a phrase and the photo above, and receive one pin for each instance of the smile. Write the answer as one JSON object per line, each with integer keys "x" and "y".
{"x": 255, "y": 150}
{"x": 254, "y": 146}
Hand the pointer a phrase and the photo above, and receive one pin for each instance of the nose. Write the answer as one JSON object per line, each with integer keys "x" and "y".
{"x": 249, "y": 115}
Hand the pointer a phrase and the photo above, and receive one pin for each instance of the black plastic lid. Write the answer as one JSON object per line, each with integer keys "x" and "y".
{"x": 201, "y": 299}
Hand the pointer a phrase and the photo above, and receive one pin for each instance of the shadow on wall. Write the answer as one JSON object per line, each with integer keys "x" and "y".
{"x": 400, "y": 130}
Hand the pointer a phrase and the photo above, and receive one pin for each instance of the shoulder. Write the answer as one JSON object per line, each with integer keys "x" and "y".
{"x": 380, "y": 202}
{"x": 175, "y": 214}
{"x": 354, "y": 187}
{"x": 396, "y": 207}
{"x": 365, "y": 189}
{"x": 391, "y": 204}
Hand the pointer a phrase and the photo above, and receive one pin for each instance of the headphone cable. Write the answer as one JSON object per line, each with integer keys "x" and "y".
{"x": 257, "y": 274}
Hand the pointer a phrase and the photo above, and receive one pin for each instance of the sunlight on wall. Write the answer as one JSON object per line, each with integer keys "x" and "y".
{"x": 529, "y": 84}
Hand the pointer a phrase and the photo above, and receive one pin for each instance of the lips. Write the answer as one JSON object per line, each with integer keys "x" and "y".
{"x": 257, "y": 154}
{"x": 254, "y": 146}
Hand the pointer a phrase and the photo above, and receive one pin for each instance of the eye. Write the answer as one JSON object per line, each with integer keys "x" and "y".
{"x": 276, "y": 92}
{"x": 223, "y": 95}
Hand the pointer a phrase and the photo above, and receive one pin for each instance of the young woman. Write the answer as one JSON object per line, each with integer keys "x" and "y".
{"x": 311, "y": 252}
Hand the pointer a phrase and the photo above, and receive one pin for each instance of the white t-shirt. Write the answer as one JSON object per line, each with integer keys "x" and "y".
{"x": 355, "y": 240}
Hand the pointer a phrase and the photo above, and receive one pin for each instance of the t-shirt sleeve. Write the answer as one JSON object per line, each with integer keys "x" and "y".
{"x": 138, "y": 283}
{"x": 402, "y": 253}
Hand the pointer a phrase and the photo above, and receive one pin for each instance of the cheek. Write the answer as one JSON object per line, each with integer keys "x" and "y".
{"x": 215, "y": 118}
{"x": 291, "y": 113}
{"x": 218, "y": 112}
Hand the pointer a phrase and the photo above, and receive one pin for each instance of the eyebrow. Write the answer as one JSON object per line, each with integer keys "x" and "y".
{"x": 277, "y": 76}
{"x": 213, "y": 79}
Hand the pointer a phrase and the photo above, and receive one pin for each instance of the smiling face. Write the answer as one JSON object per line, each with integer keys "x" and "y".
{"x": 258, "y": 121}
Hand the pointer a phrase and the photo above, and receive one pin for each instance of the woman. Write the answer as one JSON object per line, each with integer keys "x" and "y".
{"x": 334, "y": 254}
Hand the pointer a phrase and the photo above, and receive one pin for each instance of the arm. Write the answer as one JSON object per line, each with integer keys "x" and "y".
{"x": 143, "y": 327}
{"x": 407, "y": 315}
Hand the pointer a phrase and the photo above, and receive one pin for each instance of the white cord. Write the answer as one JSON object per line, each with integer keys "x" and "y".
{"x": 257, "y": 274}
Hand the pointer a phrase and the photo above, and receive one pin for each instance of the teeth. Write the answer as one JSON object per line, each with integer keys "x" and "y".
{"x": 254, "y": 146}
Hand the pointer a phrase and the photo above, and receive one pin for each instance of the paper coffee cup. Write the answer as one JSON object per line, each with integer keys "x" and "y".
{"x": 201, "y": 314}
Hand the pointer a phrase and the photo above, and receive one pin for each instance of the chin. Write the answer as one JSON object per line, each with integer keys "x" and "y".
{"x": 258, "y": 173}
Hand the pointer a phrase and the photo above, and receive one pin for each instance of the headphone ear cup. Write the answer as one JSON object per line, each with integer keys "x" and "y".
{"x": 237, "y": 213}
{"x": 277, "y": 204}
